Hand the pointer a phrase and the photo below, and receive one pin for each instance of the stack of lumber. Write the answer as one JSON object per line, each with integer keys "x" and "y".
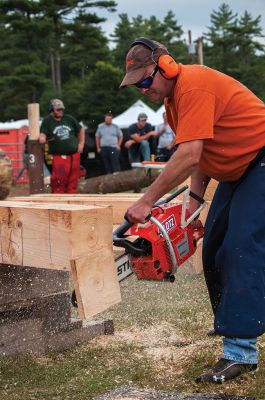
{"x": 119, "y": 202}
{"x": 69, "y": 237}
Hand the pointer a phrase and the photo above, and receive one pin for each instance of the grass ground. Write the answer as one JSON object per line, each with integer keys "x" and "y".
{"x": 159, "y": 342}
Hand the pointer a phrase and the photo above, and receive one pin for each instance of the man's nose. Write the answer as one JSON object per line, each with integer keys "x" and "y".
{"x": 143, "y": 90}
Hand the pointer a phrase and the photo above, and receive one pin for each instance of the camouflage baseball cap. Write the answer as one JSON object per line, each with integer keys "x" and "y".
{"x": 57, "y": 104}
{"x": 137, "y": 61}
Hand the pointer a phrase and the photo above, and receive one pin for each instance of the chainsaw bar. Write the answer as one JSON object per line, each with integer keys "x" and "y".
{"x": 123, "y": 266}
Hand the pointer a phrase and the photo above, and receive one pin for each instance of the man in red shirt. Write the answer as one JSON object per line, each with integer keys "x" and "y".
{"x": 220, "y": 132}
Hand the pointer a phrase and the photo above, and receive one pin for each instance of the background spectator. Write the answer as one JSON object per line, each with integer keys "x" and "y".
{"x": 137, "y": 141}
{"x": 166, "y": 141}
{"x": 108, "y": 141}
{"x": 65, "y": 138}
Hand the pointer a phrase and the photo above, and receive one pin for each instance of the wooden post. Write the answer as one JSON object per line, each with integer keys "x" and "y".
{"x": 36, "y": 157}
{"x": 191, "y": 48}
{"x": 200, "y": 50}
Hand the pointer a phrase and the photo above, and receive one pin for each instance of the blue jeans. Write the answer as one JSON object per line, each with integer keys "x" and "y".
{"x": 163, "y": 154}
{"x": 111, "y": 159}
{"x": 139, "y": 151}
{"x": 234, "y": 263}
{"x": 241, "y": 350}
{"x": 234, "y": 255}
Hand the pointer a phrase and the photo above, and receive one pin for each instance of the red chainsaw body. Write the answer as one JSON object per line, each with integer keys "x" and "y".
{"x": 157, "y": 263}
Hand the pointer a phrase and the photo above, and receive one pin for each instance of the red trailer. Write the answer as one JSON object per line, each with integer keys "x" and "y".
{"x": 12, "y": 136}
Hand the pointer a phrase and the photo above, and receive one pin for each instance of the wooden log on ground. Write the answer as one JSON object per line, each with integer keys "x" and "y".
{"x": 58, "y": 236}
{"x": 133, "y": 179}
{"x": 5, "y": 175}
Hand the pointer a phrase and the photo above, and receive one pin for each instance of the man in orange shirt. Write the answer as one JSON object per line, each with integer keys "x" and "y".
{"x": 220, "y": 132}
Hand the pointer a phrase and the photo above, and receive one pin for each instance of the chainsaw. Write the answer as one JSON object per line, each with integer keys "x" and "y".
{"x": 165, "y": 241}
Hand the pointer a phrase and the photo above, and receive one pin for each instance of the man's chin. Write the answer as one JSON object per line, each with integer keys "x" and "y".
{"x": 154, "y": 97}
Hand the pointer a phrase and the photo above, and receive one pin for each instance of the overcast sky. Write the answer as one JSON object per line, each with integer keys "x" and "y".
{"x": 190, "y": 14}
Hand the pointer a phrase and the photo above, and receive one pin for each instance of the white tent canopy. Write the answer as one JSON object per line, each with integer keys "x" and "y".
{"x": 160, "y": 112}
{"x": 129, "y": 116}
{"x": 14, "y": 124}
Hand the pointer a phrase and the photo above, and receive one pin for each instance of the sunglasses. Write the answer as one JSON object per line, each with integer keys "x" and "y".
{"x": 147, "y": 82}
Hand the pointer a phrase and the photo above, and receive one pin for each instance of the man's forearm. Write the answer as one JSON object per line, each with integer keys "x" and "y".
{"x": 180, "y": 166}
{"x": 199, "y": 183}
{"x": 97, "y": 144}
{"x": 42, "y": 138}
{"x": 139, "y": 138}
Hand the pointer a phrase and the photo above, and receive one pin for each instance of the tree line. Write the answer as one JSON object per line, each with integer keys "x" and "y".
{"x": 57, "y": 48}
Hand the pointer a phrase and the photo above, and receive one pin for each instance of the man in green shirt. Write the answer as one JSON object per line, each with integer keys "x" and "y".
{"x": 65, "y": 138}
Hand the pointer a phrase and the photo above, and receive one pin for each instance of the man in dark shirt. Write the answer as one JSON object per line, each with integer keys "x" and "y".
{"x": 66, "y": 139}
{"x": 137, "y": 144}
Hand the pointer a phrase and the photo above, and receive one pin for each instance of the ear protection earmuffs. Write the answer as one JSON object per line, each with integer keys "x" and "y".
{"x": 168, "y": 67}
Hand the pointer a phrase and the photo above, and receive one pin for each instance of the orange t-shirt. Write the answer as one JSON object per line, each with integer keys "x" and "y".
{"x": 208, "y": 105}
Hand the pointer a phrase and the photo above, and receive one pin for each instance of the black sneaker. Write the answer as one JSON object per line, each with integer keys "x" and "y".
{"x": 224, "y": 370}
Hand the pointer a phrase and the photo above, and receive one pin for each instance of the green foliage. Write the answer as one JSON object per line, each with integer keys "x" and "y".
{"x": 167, "y": 31}
{"x": 53, "y": 42}
{"x": 233, "y": 47}
{"x": 56, "y": 48}
{"x": 100, "y": 93}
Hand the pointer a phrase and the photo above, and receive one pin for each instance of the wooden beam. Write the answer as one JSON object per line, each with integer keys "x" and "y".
{"x": 118, "y": 204}
{"x": 57, "y": 232}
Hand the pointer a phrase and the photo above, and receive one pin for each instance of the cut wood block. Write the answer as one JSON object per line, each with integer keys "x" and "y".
{"x": 50, "y": 235}
{"x": 211, "y": 190}
{"x": 196, "y": 259}
{"x": 58, "y": 236}
{"x": 94, "y": 284}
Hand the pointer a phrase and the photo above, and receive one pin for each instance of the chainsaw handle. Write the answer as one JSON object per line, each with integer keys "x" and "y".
{"x": 120, "y": 241}
{"x": 119, "y": 232}
{"x": 185, "y": 222}
{"x": 196, "y": 197}
{"x": 171, "y": 197}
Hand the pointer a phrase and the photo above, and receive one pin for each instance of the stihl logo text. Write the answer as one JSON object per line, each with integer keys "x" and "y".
{"x": 169, "y": 223}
